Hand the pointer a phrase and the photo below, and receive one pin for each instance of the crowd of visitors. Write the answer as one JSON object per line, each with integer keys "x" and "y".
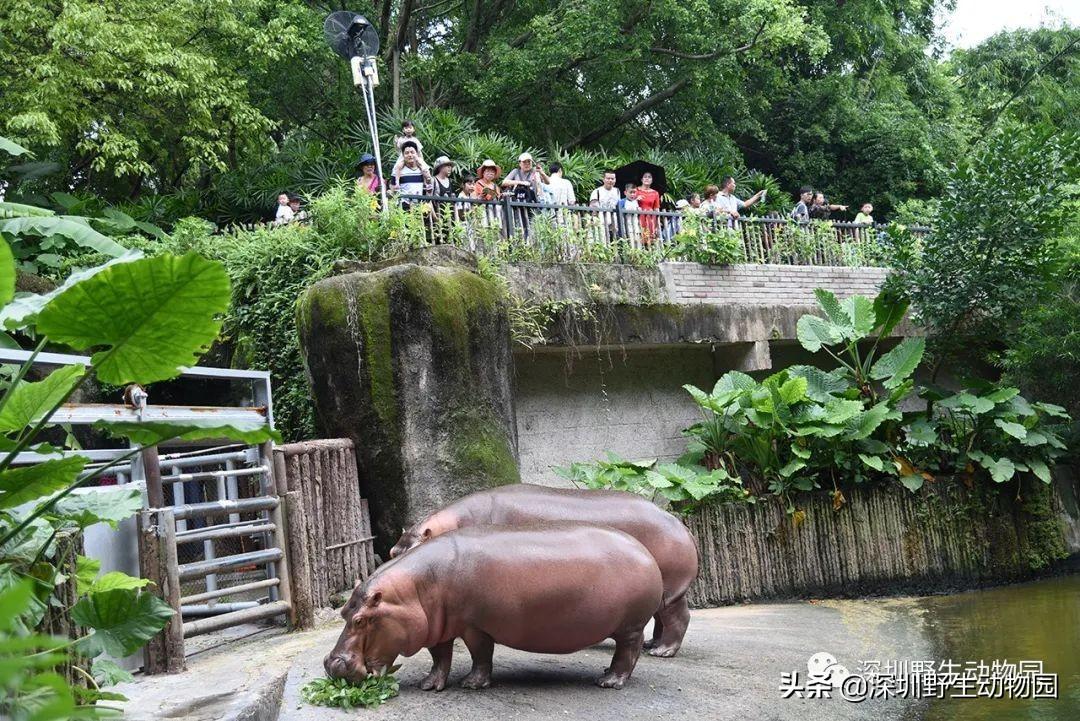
{"x": 529, "y": 182}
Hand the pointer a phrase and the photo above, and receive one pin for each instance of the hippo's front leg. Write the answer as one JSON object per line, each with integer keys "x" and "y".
{"x": 441, "y": 656}
{"x": 627, "y": 649}
{"x": 481, "y": 647}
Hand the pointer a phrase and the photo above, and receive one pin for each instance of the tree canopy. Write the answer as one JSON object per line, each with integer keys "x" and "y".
{"x": 212, "y": 108}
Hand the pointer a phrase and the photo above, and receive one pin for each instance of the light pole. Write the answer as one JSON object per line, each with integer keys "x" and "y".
{"x": 352, "y": 37}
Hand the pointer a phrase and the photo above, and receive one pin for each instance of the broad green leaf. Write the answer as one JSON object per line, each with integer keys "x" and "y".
{"x": 657, "y": 480}
{"x": 27, "y": 543}
{"x": 154, "y": 432}
{"x": 25, "y": 308}
{"x": 1015, "y": 430}
{"x": 913, "y": 481}
{"x": 860, "y": 311}
{"x": 899, "y": 363}
{"x": 117, "y": 580}
{"x": 793, "y": 390}
{"x": 839, "y": 411}
{"x": 95, "y": 506}
{"x": 833, "y": 310}
{"x": 800, "y": 451}
{"x": 700, "y": 397}
{"x": 814, "y": 332}
{"x": 12, "y": 148}
{"x": 7, "y": 273}
{"x": 1035, "y": 438}
{"x": 19, "y": 210}
{"x": 15, "y": 600}
{"x": 820, "y": 386}
{"x": 968, "y": 402}
{"x": 86, "y": 570}
{"x": 796, "y": 464}
{"x": 922, "y": 432}
{"x": 734, "y": 381}
{"x": 1002, "y": 394}
{"x": 1001, "y": 469}
{"x": 71, "y": 227}
{"x": 866, "y": 422}
{"x": 29, "y": 483}
{"x": 874, "y": 462}
{"x": 123, "y": 620}
{"x": 1051, "y": 409}
{"x": 28, "y": 402}
{"x": 108, "y": 673}
{"x": 1040, "y": 469}
{"x": 888, "y": 312}
{"x": 154, "y": 315}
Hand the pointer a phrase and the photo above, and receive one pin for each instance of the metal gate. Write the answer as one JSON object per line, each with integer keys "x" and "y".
{"x": 211, "y": 535}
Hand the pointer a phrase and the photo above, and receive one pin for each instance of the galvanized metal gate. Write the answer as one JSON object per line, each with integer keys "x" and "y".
{"x": 211, "y": 535}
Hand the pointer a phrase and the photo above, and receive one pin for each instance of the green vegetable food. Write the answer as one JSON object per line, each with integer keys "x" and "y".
{"x": 372, "y": 692}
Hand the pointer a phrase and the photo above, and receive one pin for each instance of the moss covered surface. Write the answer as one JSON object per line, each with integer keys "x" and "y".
{"x": 413, "y": 363}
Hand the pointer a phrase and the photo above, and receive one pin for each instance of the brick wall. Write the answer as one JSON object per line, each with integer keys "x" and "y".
{"x": 765, "y": 284}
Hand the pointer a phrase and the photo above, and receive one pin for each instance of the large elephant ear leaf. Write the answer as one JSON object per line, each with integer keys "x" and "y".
{"x": 149, "y": 317}
{"x": 814, "y": 332}
{"x": 860, "y": 313}
{"x": 7, "y": 273}
{"x": 899, "y": 363}
{"x": 888, "y": 312}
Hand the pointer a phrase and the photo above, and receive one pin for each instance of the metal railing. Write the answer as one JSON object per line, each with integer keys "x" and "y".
{"x": 516, "y": 230}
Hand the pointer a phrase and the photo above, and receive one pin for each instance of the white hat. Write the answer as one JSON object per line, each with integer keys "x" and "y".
{"x": 524, "y": 157}
{"x": 682, "y": 203}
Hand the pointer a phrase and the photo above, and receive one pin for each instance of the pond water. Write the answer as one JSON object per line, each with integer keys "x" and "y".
{"x": 1030, "y": 621}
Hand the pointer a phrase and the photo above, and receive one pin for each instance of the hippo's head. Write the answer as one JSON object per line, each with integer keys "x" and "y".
{"x": 411, "y": 537}
{"x": 375, "y": 634}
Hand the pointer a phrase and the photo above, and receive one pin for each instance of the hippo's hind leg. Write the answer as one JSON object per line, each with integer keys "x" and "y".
{"x": 481, "y": 647}
{"x": 441, "y": 656}
{"x": 627, "y": 649}
{"x": 657, "y": 631}
{"x": 672, "y": 621}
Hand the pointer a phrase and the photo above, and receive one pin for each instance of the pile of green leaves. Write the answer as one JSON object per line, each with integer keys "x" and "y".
{"x": 684, "y": 487}
{"x": 372, "y": 692}
{"x": 141, "y": 320}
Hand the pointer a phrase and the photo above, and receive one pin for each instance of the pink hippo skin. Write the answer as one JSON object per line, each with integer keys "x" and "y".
{"x": 544, "y": 588}
{"x": 664, "y": 535}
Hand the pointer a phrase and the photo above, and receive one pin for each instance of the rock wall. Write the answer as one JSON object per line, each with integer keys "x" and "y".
{"x": 883, "y": 540}
{"x": 412, "y": 362}
{"x": 766, "y": 284}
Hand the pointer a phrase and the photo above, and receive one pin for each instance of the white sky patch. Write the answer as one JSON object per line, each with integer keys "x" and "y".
{"x": 975, "y": 20}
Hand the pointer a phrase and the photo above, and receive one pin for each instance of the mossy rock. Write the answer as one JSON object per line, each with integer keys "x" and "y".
{"x": 413, "y": 362}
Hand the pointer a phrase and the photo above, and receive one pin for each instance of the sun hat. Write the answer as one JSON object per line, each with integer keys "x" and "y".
{"x": 524, "y": 156}
{"x": 682, "y": 203}
{"x": 489, "y": 163}
{"x": 441, "y": 161}
{"x": 365, "y": 159}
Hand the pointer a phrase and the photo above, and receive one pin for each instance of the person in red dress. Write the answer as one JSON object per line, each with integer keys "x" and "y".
{"x": 648, "y": 199}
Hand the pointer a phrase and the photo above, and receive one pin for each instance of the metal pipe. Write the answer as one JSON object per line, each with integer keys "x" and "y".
{"x": 200, "y": 569}
{"x": 211, "y": 508}
{"x": 214, "y": 532}
{"x": 242, "y": 588}
{"x": 216, "y": 623}
{"x": 204, "y": 609}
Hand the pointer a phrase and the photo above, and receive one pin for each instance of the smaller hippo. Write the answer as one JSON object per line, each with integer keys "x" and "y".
{"x": 545, "y": 588}
{"x": 665, "y": 536}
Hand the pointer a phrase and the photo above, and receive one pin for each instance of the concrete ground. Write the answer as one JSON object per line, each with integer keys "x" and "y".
{"x": 729, "y": 668}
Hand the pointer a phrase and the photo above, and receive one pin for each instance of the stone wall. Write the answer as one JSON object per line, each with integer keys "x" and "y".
{"x": 765, "y": 284}
{"x": 577, "y": 406}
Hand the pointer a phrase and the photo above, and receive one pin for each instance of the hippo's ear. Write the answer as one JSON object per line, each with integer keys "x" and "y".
{"x": 426, "y": 535}
{"x": 374, "y": 599}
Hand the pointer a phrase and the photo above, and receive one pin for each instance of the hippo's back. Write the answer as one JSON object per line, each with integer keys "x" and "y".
{"x": 665, "y": 536}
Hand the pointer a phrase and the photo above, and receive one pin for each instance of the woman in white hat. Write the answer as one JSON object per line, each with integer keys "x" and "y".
{"x": 527, "y": 175}
{"x": 440, "y": 183}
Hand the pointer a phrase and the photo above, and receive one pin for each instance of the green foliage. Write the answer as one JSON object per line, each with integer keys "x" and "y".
{"x": 684, "y": 487}
{"x": 148, "y": 316}
{"x": 703, "y": 240}
{"x": 372, "y": 692}
{"x": 992, "y": 254}
{"x": 804, "y": 426}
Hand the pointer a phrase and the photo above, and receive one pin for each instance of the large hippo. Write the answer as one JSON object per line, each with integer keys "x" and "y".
{"x": 664, "y": 535}
{"x": 545, "y": 588}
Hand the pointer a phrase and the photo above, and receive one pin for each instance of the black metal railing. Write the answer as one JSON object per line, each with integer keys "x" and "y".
{"x": 514, "y": 230}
